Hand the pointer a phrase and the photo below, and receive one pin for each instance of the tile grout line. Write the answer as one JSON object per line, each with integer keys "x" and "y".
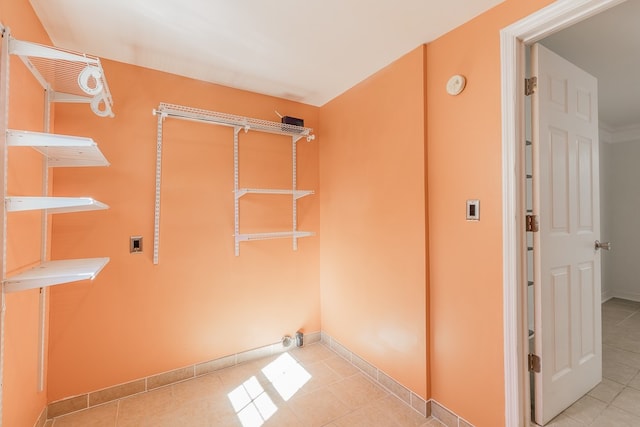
{"x": 117, "y": 411}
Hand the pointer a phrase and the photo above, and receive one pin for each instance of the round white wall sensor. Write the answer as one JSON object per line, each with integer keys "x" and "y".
{"x": 456, "y": 84}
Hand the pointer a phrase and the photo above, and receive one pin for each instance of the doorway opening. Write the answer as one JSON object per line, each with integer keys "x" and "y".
{"x": 514, "y": 39}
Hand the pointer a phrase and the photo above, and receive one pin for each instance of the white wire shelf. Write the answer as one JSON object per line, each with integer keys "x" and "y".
{"x": 53, "y": 204}
{"x": 246, "y": 123}
{"x": 72, "y": 76}
{"x": 56, "y": 272}
{"x": 276, "y": 235}
{"x": 297, "y": 194}
{"x": 60, "y": 150}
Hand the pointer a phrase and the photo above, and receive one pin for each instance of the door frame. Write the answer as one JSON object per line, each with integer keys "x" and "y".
{"x": 513, "y": 40}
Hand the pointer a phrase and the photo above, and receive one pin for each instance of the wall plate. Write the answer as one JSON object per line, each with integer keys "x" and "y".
{"x": 135, "y": 244}
{"x": 473, "y": 210}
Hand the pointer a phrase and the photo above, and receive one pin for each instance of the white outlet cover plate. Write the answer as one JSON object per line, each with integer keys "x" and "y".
{"x": 473, "y": 210}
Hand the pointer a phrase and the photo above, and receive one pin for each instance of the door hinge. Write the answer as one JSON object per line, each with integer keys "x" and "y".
{"x": 530, "y": 85}
{"x": 532, "y": 223}
{"x": 534, "y": 363}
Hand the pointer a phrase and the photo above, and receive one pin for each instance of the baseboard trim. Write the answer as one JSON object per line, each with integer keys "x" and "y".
{"x": 427, "y": 408}
{"x": 42, "y": 419}
{"x": 100, "y": 397}
{"x": 446, "y": 416}
{"x": 631, "y": 296}
{"x": 405, "y": 395}
{"x": 81, "y": 402}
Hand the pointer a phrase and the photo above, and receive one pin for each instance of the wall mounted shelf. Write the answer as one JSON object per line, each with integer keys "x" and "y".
{"x": 60, "y": 150}
{"x": 68, "y": 76}
{"x": 224, "y": 119}
{"x": 297, "y": 193}
{"x": 65, "y": 77}
{"x": 274, "y": 235}
{"x": 53, "y": 205}
{"x": 56, "y": 272}
{"x": 238, "y": 123}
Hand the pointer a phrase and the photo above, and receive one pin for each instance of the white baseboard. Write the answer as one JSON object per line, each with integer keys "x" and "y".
{"x": 631, "y": 296}
{"x": 606, "y": 296}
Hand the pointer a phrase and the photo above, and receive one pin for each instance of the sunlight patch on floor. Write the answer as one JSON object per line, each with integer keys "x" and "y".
{"x": 252, "y": 402}
{"x": 286, "y": 375}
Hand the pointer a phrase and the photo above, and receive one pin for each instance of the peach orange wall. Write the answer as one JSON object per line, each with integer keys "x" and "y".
{"x": 201, "y": 302}
{"x": 464, "y": 162}
{"x": 22, "y": 402}
{"x": 372, "y": 257}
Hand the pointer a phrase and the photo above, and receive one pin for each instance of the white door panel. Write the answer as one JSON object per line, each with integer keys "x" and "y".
{"x": 566, "y": 264}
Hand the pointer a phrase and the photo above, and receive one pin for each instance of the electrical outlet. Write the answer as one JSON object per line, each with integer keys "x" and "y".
{"x": 135, "y": 244}
{"x": 473, "y": 210}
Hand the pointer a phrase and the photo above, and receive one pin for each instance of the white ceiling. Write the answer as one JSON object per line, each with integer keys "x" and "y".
{"x": 312, "y": 52}
{"x": 608, "y": 47}
{"x": 300, "y": 50}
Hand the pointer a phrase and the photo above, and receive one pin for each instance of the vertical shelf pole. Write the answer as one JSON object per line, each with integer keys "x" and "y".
{"x": 42, "y": 321}
{"x": 294, "y": 172}
{"x": 4, "y": 119}
{"x": 295, "y": 200}
{"x": 45, "y": 175}
{"x": 156, "y": 223}
{"x": 236, "y": 181}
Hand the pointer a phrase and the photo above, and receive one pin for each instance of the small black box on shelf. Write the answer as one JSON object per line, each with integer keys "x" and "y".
{"x": 293, "y": 121}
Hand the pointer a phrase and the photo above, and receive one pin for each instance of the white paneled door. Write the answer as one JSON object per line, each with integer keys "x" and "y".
{"x": 568, "y": 327}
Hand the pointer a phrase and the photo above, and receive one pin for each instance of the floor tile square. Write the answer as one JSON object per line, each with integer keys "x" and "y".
{"x": 617, "y": 372}
{"x": 606, "y": 391}
{"x": 585, "y": 410}
{"x": 628, "y": 400}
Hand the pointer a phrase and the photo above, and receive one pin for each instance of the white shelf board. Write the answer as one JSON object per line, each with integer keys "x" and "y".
{"x": 60, "y": 150}
{"x": 296, "y": 193}
{"x": 53, "y": 204}
{"x": 276, "y": 235}
{"x": 56, "y": 272}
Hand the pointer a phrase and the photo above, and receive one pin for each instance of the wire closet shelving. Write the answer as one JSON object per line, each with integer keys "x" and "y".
{"x": 65, "y": 76}
{"x": 238, "y": 123}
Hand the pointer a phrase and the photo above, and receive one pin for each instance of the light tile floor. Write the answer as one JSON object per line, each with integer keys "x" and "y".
{"x": 311, "y": 386}
{"x": 615, "y": 402}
